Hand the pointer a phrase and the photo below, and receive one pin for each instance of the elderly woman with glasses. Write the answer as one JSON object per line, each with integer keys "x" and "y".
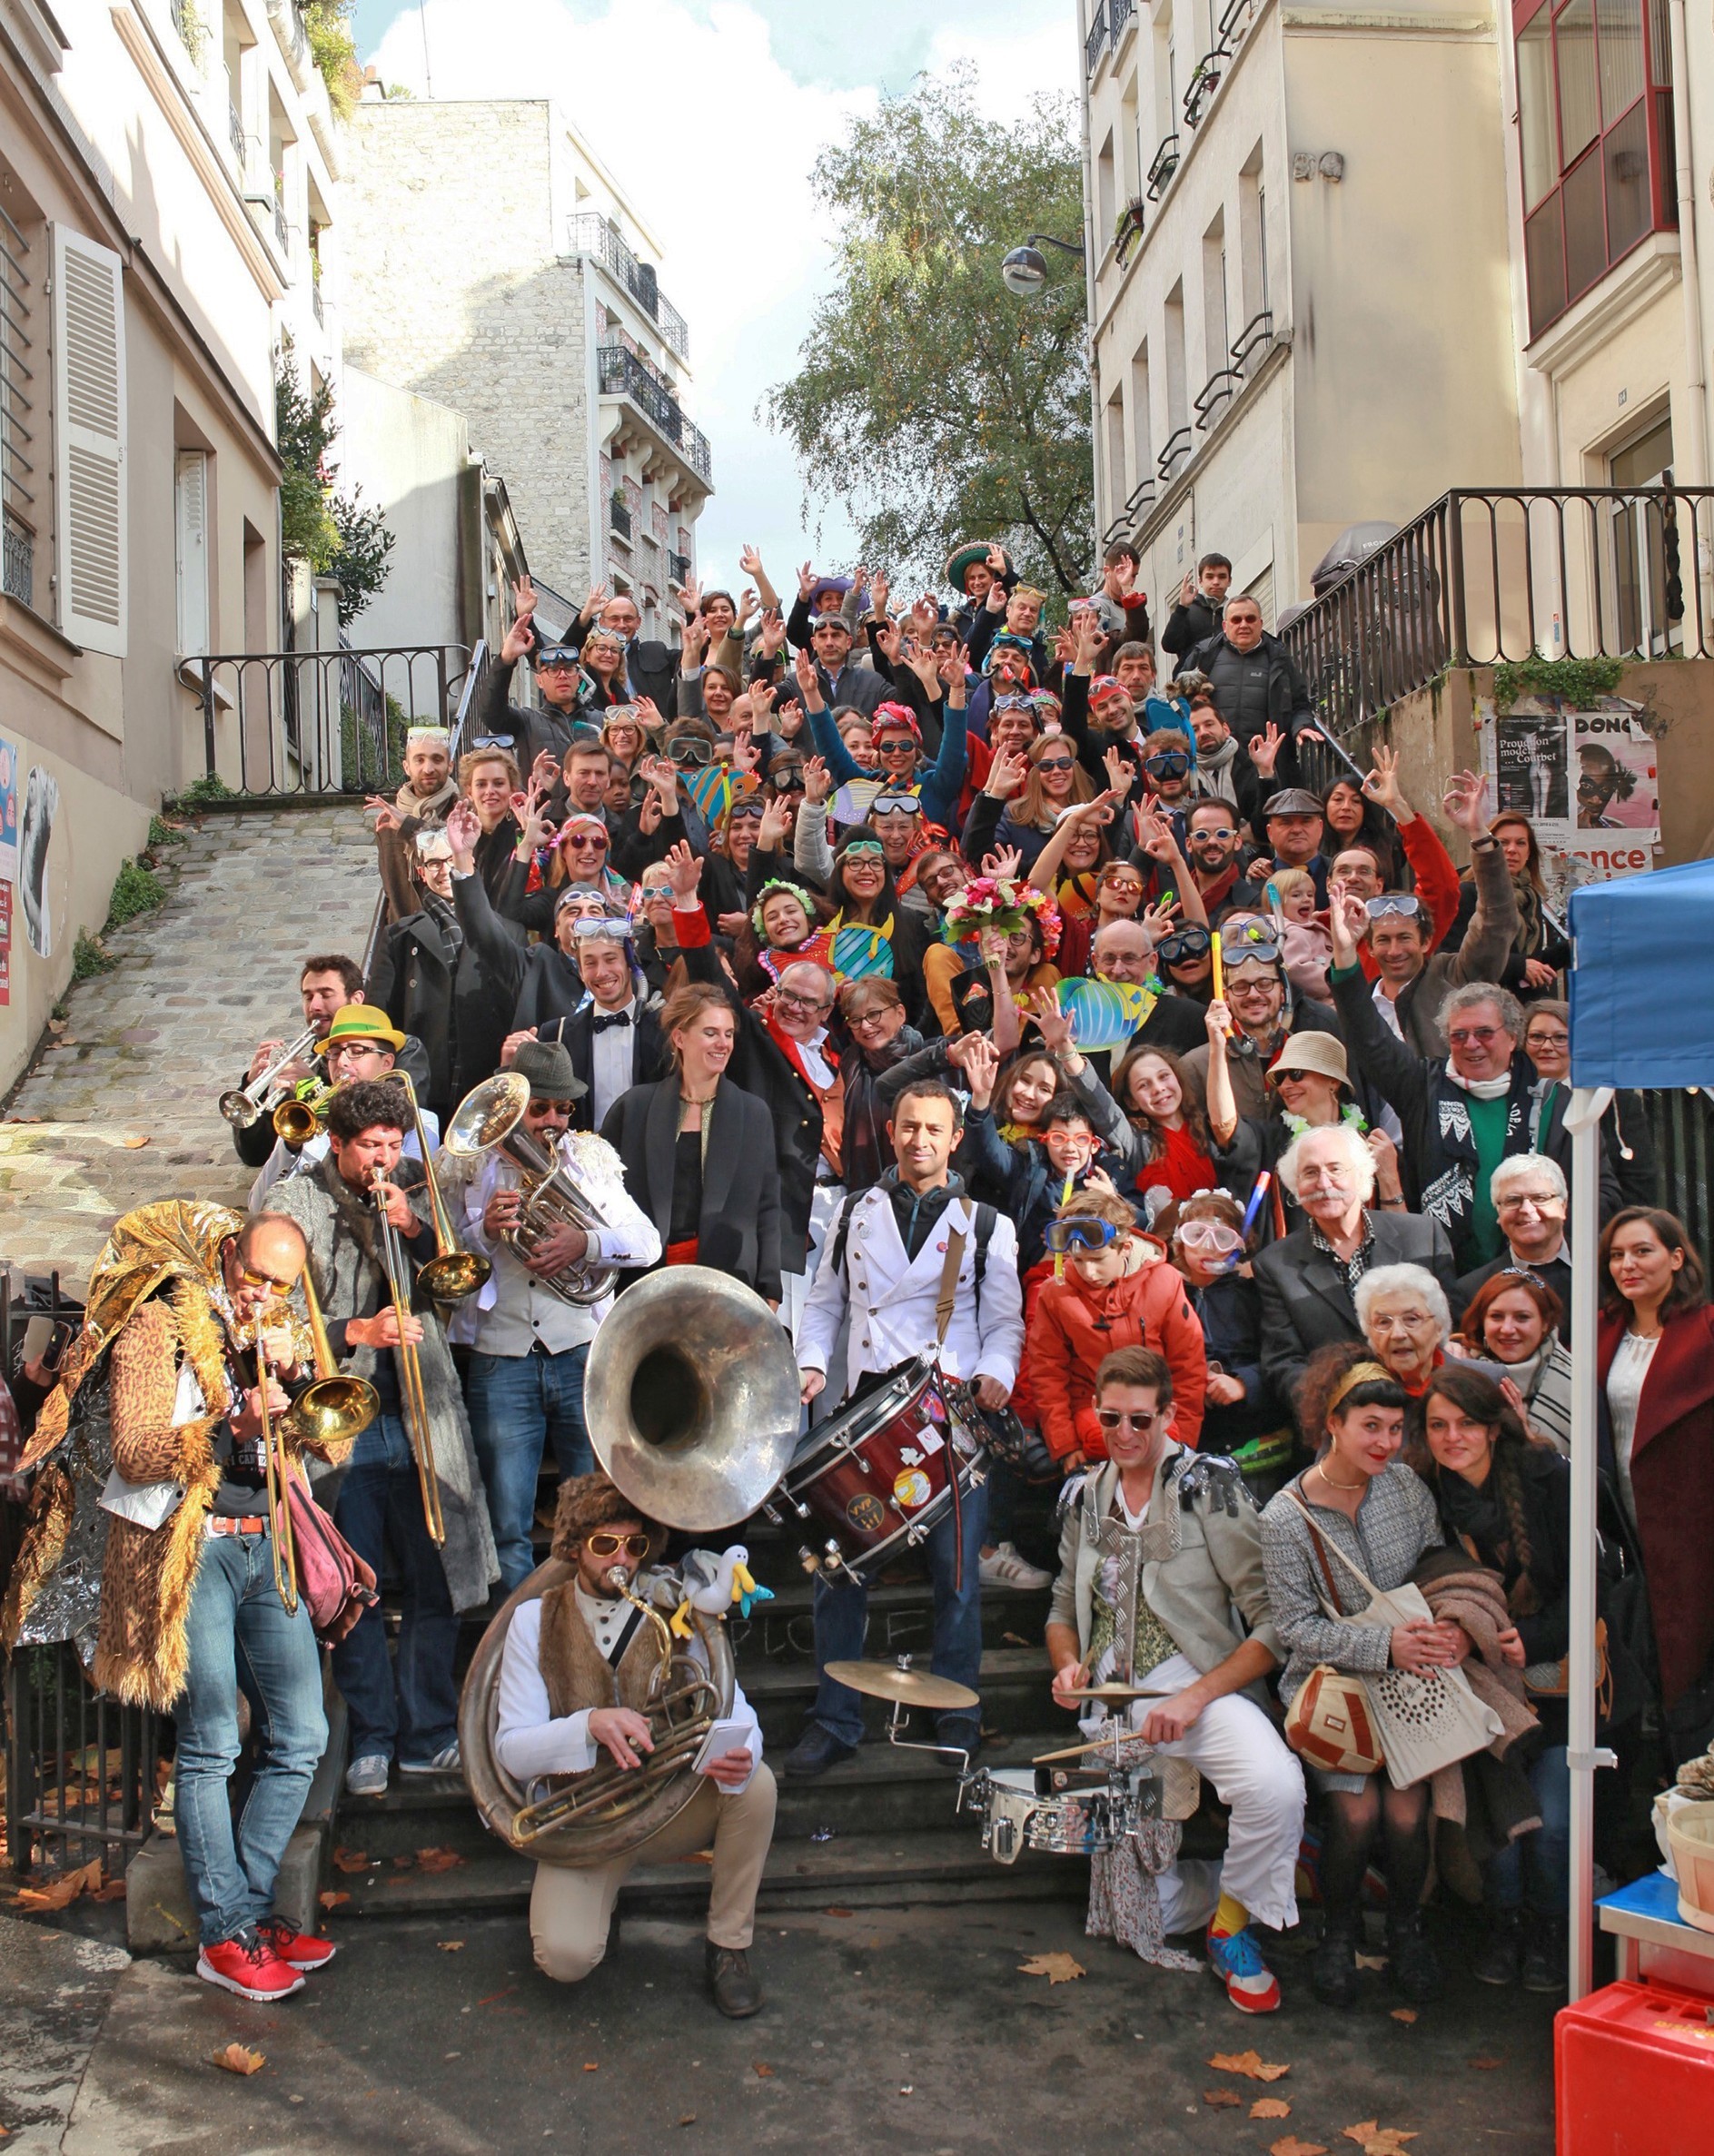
{"x": 1627, "y": 1139}
{"x": 1407, "y": 1320}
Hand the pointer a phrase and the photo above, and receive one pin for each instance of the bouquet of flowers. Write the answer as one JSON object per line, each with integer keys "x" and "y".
{"x": 1004, "y": 905}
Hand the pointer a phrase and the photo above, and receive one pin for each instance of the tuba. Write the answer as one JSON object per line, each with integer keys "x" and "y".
{"x": 692, "y": 1399}
{"x": 492, "y": 1115}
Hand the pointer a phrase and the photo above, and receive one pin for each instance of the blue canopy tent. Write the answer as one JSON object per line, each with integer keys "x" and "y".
{"x": 1642, "y": 1014}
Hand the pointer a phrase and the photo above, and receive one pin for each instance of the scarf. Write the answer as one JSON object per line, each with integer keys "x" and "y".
{"x": 447, "y": 922}
{"x": 428, "y": 808}
{"x": 1480, "y": 1089}
{"x": 1211, "y": 768}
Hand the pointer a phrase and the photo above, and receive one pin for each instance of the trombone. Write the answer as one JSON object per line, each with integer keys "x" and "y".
{"x": 332, "y": 1408}
{"x": 453, "y": 1272}
{"x": 276, "y": 1469}
{"x": 246, "y": 1105}
{"x": 413, "y": 1398}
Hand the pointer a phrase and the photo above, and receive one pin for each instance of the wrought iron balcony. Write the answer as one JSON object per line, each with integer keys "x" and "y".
{"x": 678, "y": 568}
{"x": 17, "y": 562}
{"x": 1121, "y": 12}
{"x": 1160, "y": 171}
{"x": 1095, "y": 43}
{"x": 619, "y": 517}
{"x": 592, "y": 235}
{"x": 623, "y": 374}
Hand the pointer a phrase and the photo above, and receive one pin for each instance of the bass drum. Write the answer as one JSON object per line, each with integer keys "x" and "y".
{"x": 499, "y": 1799}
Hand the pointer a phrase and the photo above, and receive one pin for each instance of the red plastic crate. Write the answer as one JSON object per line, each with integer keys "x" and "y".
{"x": 1634, "y": 2071}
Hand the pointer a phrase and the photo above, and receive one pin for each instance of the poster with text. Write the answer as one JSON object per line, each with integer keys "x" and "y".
{"x": 1618, "y": 780}
{"x": 6, "y": 944}
{"x": 1532, "y": 764}
{"x": 8, "y": 812}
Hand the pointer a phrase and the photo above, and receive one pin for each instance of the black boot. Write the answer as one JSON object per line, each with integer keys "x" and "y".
{"x": 732, "y": 1981}
{"x": 1411, "y": 1963}
{"x": 1502, "y": 1949}
{"x": 1544, "y": 1954}
{"x": 1332, "y": 1969}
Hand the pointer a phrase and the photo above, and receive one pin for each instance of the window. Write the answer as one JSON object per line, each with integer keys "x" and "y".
{"x": 189, "y": 510}
{"x": 1595, "y": 140}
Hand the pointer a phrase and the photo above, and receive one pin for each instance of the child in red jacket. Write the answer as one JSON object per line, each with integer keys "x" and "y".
{"x": 1115, "y": 1293}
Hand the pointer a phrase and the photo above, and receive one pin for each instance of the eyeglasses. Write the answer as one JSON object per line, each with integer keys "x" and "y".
{"x": 1209, "y": 1235}
{"x": 602, "y": 1544}
{"x": 1081, "y": 1232}
{"x": 1220, "y": 831}
{"x": 1468, "y": 1037}
{"x": 868, "y": 849}
{"x": 1186, "y": 944}
{"x": 1404, "y": 905}
{"x": 1112, "y": 1420}
{"x": 1540, "y": 1036}
{"x": 872, "y": 1017}
{"x": 895, "y": 805}
{"x": 1166, "y": 763}
{"x": 1544, "y": 1201}
{"x": 785, "y": 996}
{"x": 262, "y": 1280}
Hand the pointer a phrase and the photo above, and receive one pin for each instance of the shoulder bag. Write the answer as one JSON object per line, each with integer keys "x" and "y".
{"x": 335, "y": 1584}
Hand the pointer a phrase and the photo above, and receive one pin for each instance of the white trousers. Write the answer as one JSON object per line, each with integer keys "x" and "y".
{"x": 794, "y": 1287}
{"x": 1234, "y": 1743}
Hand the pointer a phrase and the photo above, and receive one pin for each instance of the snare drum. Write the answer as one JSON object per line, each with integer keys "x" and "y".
{"x": 880, "y": 1473}
{"x": 1020, "y": 1811}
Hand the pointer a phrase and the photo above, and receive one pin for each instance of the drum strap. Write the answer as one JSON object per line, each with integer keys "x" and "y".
{"x": 948, "y": 1285}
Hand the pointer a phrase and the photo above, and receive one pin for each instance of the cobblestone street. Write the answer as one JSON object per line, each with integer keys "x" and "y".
{"x": 120, "y": 1109}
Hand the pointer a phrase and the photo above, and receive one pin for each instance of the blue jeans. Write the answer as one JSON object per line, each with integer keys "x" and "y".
{"x": 410, "y": 1706}
{"x": 517, "y": 1402}
{"x": 842, "y": 1618}
{"x": 1546, "y": 1853}
{"x": 237, "y": 1633}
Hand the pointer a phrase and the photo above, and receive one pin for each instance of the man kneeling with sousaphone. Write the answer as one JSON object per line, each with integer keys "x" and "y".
{"x": 616, "y": 1715}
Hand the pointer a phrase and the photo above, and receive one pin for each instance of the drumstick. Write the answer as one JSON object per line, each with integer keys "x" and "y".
{"x": 1100, "y": 1744}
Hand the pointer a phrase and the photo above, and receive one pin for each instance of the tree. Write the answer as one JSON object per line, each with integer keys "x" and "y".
{"x": 932, "y": 403}
{"x": 332, "y": 533}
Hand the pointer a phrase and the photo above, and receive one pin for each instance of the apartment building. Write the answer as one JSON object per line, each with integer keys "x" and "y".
{"x": 532, "y": 304}
{"x": 165, "y": 173}
{"x": 1299, "y": 275}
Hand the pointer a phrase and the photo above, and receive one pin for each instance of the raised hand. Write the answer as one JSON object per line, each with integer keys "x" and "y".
{"x": 996, "y": 560}
{"x": 521, "y": 634}
{"x": 749, "y": 562}
{"x": 1465, "y": 802}
{"x": 1381, "y": 786}
{"x": 1264, "y": 750}
{"x": 888, "y": 636}
{"x": 387, "y": 818}
{"x": 773, "y": 634}
{"x": 808, "y": 685}
{"x": 775, "y": 824}
{"x": 761, "y": 695}
{"x": 746, "y": 607}
{"x": 1157, "y": 919}
{"x": 1090, "y": 637}
{"x": 1348, "y": 920}
{"x": 685, "y": 868}
{"x": 692, "y": 592}
{"x": 1121, "y": 773}
{"x": 975, "y": 1055}
{"x": 1003, "y": 864}
{"x": 693, "y": 639}
{"x": 806, "y": 581}
{"x": 591, "y": 606}
{"x": 1218, "y": 1020}
{"x": 880, "y": 591}
{"x": 463, "y": 828}
{"x": 1007, "y": 775}
{"x": 1051, "y": 1021}
{"x": 817, "y": 781}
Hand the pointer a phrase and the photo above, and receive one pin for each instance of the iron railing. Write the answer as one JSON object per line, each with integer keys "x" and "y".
{"x": 592, "y": 235}
{"x": 1499, "y": 575}
{"x": 1121, "y": 12}
{"x": 1178, "y": 448}
{"x": 313, "y": 723}
{"x": 1204, "y": 81}
{"x": 1162, "y": 166}
{"x": 678, "y": 567}
{"x": 619, "y": 517}
{"x": 17, "y": 412}
{"x": 623, "y": 374}
{"x": 1095, "y": 43}
{"x": 235, "y": 134}
{"x": 18, "y": 560}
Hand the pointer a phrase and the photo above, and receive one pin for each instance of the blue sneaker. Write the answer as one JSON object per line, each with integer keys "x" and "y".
{"x": 1236, "y": 1959}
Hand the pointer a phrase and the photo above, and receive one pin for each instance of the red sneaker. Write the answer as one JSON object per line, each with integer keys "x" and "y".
{"x": 298, "y": 1950}
{"x": 248, "y": 1965}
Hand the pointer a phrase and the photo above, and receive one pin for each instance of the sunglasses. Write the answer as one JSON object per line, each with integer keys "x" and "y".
{"x": 1166, "y": 763}
{"x": 551, "y": 1108}
{"x": 603, "y": 1544}
{"x": 581, "y": 838}
{"x": 1054, "y": 763}
{"x": 1081, "y": 1232}
{"x": 1125, "y": 885}
{"x": 1112, "y": 1420}
{"x": 896, "y": 745}
{"x": 895, "y": 805}
{"x": 864, "y": 849}
{"x": 263, "y": 1280}
{"x": 1186, "y": 944}
{"x": 1465, "y": 1036}
{"x": 1402, "y": 905}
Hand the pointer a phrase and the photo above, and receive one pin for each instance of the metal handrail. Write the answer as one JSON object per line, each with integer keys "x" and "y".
{"x": 1178, "y": 443}
{"x": 1204, "y": 81}
{"x": 1162, "y": 167}
{"x": 1219, "y": 388}
{"x": 1257, "y": 330}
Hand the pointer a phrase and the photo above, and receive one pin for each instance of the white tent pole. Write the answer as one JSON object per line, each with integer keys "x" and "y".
{"x": 1582, "y": 1119}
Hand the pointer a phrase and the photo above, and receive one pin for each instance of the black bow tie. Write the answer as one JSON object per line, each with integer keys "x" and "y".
{"x": 603, "y": 1019}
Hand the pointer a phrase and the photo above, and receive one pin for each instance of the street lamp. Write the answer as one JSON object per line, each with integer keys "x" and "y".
{"x": 1025, "y": 270}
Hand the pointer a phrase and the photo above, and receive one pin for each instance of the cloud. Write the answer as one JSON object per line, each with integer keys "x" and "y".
{"x": 710, "y": 114}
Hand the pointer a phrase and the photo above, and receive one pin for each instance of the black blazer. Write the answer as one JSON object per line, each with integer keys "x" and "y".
{"x": 739, "y": 1227}
{"x": 1307, "y": 1305}
{"x": 651, "y": 1059}
{"x": 460, "y": 1013}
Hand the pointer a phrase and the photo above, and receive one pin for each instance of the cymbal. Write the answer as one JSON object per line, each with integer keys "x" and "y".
{"x": 1116, "y": 1692}
{"x": 909, "y": 1687}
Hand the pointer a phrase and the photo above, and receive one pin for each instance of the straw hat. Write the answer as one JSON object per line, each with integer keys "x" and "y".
{"x": 1319, "y": 1055}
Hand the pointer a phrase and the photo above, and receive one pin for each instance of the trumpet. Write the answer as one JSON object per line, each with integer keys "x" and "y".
{"x": 413, "y": 1399}
{"x": 277, "y": 1468}
{"x": 246, "y": 1105}
{"x": 299, "y": 1116}
{"x": 332, "y": 1408}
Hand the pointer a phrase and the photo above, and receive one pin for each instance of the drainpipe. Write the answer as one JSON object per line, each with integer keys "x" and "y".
{"x": 1697, "y": 444}
{"x": 1095, "y": 458}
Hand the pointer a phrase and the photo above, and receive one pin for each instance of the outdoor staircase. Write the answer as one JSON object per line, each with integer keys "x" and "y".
{"x": 880, "y": 1829}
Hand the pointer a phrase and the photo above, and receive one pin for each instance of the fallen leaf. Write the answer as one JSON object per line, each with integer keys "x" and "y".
{"x": 331, "y": 1898}
{"x": 57, "y": 1025}
{"x": 1379, "y": 2140}
{"x": 1372, "y": 1960}
{"x": 440, "y": 1860}
{"x": 1248, "y": 2063}
{"x": 115, "y": 1891}
{"x": 592, "y": 2066}
{"x": 1270, "y": 2107}
{"x": 59, "y": 1893}
{"x": 451, "y": 1946}
{"x": 132, "y": 1139}
{"x": 238, "y": 2058}
{"x": 1057, "y": 1968}
{"x": 689, "y": 2118}
{"x": 763, "y": 2068}
{"x": 836, "y": 1912}
{"x": 1485, "y": 2065}
{"x": 1404, "y": 2013}
{"x": 350, "y": 1860}
{"x": 1362, "y": 2131}
{"x": 1292, "y": 2146}
{"x": 1221, "y": 2098}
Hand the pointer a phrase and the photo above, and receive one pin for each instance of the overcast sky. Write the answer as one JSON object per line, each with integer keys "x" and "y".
{"x": 709, "y": 114}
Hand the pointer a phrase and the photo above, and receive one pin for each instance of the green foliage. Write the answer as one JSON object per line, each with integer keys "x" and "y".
{"x": 161, "y": 833}
{"x": 1578, "y": 681}
{"x": 327, "y": 24}
{"x": 135, "y": 890}
{"x": 332, "y": 534}
{"x": 358, "y": 754}
{"x": 931, "y": 403}
{"x": 202, "y": 791}
{"x": 88, "y": 959}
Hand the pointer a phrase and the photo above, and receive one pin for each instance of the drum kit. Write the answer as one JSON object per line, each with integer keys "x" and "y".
{"x": 1070, "y": 1802}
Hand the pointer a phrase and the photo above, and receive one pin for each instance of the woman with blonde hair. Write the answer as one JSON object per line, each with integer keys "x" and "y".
{"x": 1056, "y": 781}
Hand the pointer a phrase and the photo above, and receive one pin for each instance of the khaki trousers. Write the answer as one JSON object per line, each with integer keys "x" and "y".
{"x": 570, "y": 1908}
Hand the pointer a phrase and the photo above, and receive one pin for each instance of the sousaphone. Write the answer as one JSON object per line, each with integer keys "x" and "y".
{"x": 692, "y": 1400}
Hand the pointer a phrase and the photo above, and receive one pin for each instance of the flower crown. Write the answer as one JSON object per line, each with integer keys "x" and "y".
{"x": 1004, "y": 905}
{"x": 797, "y": 891}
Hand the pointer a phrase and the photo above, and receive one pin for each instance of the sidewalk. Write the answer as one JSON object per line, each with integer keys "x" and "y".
{"x": 908, "y": 2032}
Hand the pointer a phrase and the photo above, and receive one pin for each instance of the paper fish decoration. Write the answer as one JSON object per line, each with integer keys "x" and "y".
{"x": 1103, "y": 1013}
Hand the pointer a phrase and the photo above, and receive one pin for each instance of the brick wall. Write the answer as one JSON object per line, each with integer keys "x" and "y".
{"x": 453, "y": 289}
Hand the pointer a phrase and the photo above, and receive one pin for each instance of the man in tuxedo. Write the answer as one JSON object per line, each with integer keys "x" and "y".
{"x": 1308, "y": 1279}
{"x": 614, "y": 1037}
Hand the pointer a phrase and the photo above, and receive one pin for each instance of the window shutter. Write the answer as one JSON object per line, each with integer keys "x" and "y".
{"x": 1262, "y": 591}
{"x": 89, "y": 461}
{"x": 190, "y": 501}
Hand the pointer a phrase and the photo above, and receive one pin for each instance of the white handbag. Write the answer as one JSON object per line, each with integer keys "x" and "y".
{"x": 1426, "y": 1720}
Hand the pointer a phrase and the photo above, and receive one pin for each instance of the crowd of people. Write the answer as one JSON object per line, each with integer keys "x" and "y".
{"x": 975, "y": 993}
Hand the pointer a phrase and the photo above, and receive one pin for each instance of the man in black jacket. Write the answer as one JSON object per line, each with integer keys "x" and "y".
{"x": 1254, "y": 678}
{"x": 651, "y": 668}
{"x": 614, "y": 1034}
{"x": 1308, "y": 1279}
{"x": 326, "y": 982}
{"x": 1196, "y": 617}
{"x": 559, "y": 683}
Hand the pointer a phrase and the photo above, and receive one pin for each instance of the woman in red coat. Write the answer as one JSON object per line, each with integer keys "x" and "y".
{"x": 1117, "y": 1293}
{"x": 1656, "y": 1370}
